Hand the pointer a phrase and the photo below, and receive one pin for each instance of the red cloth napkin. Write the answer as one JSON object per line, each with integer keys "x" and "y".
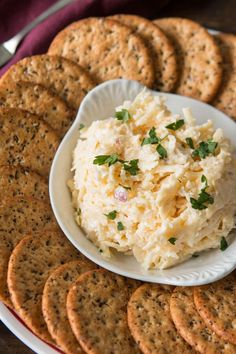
{"x": 15, "y": 14}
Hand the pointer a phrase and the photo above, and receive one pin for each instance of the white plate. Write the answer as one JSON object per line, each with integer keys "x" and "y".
{"x": 100, "y": 103}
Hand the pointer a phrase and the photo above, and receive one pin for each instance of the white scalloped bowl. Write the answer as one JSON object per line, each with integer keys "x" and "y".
{"x": 100, "y": 103}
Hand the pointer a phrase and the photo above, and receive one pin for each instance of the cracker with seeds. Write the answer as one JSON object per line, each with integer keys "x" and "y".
{"x": 18, "y": 217}
{"x": 225, "y": 99}
{"x": 62, "y": 76}
{"x": 216, "y": 303}
{"x": 150, "y": 321}
{"x": 38, "y": 100}
{"x": 27, "y": 140}
{"x": 54, "y": 303}
{"x": 19, "y": 181}
{"x": 199, "y": 58}
{"x": 161, "y": 49}
{"x": 31, "y": 263}
{"x": 97, "y": 311}
{"x": 106, "y": 49}
{"x": 191, "y": 326}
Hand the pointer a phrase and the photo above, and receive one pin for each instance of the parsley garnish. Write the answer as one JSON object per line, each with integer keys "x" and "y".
{"x": 81, "y": 126}
{"x": 123, "y": 115}
{"x": 120, "y": 226}
{"x": 153, "y": 139}
{"x": 203, "y": 197}
{"x": 189, "y": 141}
{"x": 109, "y": 159}
{"x": 205, "y": 148}
{"x": 161, "y": 151}
{"x": 132, "y": 167}
{"x": 175, "y": 125}
{"x": 172, "y": 240}
{"x": 111, "y": 215}
{"x": 223, "y": 244}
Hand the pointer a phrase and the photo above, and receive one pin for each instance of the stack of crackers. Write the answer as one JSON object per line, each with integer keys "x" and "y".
{"x": 61, "y": 296}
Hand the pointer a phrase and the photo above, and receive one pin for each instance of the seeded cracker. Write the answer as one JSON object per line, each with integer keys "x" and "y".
{"x": 150, "y": 321}
{"x": 18, "y": 217}
{"x": 27, "y": 140}
{"x": 216, "y": 303}
{"x": 97, "y": 311}
{"x": 20, "y": 181}
{"x": 54, "y": 303}
{"x": 199, "y": 58}
{"x": 191, "y": 326}
{"x": 31, "y": 263}
{"x": 62, "y": 76}
{"x": 162, "y": 51}
{"x": 106, "y": 49}
{"x": 40, "y": 101}
{"x": 225, "y": 99}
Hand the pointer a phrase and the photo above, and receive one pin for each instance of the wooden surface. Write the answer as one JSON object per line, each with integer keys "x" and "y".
{"x": 215, "y": 14}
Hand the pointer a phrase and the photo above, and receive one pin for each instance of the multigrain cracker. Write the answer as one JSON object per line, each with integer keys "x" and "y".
{"x": 38, "y": 100}
{"x": 31, "y": 263}
{"x": 20, "y": 181}
{"x": 97, "y": 311}
{"x": 62, "y": 76}
{"x": 225, "y": 99}
{"x": 191, "y": 326}
{"x": 106, "y": 49}
{"x": 161, "y": 49}
{"x": 27, "y": 140}
{"x": 54, "y": 303}
{"x": 216, "y": 303}
{"x": 18, "y": 217}
{"x": 150, "y": 321}
{"x": 199, "y": 58}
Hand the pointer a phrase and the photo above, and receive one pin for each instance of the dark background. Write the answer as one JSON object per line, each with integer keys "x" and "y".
{"x": 214, "y": 14}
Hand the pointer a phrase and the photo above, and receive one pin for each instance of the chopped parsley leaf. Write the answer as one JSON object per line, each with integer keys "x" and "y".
{"x": 120, "y": 226}
{"x": 203, "y": 197}
{"x": 172, "y": 240}
{"x": 205, "y": 148}
{"x": 175, "y": 125}
{"x": 153, "y": 139}
{"x": 132, "y": 167}
{"x": 223, "y": 244}
{"x": 81, "y": 126}
{"x": 123, "y": 115}
{"x": 161, "y": 151}
{"x": 106, "y": 159}
{"x": 189, "y": 141}
{"x": 111, "y": 215}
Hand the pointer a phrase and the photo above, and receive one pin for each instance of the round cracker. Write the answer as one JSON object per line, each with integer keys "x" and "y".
{"x": 97, "y": 311}
{"x": 31, "y": 263}
{"x": 150, "y": 321}
{"x": 18, "y": 217}
{"x": 27, "y": 140}
{"x": 62, "y": 76}
{"x": 38, "y": 100}
{"x": 18, "y": 181}
{"x": 162, "y": 50}
{"x": 199, "y": 58}
{"x": 216, "y": 304}
{"x": 105, "y": 48}
{"x": 54, "y": 303}
{"x": 191, "y": 326}
{"x": 225, "y": 99}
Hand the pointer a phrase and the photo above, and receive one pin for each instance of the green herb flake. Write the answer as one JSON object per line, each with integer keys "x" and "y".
{"x": 172, "y": 240}
{"x": 205, "y": 149}
{"x": 161, "y": 151}
{"x": 175, "y": 125}
{"x": 81, "y": 126}
{"x": 153, "y": 139}
{"x": 203, "y": 197}
{"x": 120, "y": 226}
{"x": 106, "y": 159}
{"x": 123, "y": 115}
{"x": 132, "y": 167}
{"x": 189, "y": 141}
{"x": 111, "y": 215}
{"x": 223, "y": 244}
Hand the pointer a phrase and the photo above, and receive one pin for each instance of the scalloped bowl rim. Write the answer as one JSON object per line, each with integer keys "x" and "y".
{"x": 209, "y": 266}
